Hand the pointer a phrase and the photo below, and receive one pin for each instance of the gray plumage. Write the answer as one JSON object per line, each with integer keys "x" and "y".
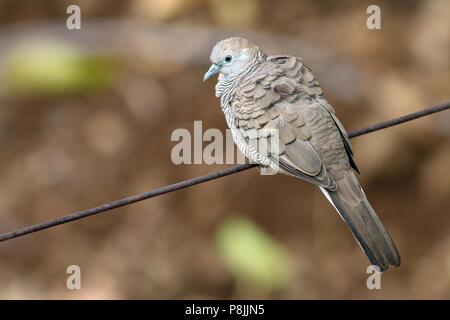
{"x": 260, "y": 93}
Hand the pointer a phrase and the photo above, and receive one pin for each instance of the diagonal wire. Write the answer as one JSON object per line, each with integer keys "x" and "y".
{"x": 197, "y": 180}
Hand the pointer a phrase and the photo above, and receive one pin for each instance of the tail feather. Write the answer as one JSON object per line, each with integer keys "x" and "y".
{"x": 354, "y": 208}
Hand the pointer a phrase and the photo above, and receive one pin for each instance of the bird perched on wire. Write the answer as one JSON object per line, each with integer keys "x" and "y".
{"x": 262, "y": 95}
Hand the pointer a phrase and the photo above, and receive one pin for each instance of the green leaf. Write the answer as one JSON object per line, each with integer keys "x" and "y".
{"x": 52, "y": 68}
{"x": 252, "y": 255}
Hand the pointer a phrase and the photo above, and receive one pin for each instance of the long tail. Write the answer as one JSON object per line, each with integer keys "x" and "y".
{"x": 351, "y": 203}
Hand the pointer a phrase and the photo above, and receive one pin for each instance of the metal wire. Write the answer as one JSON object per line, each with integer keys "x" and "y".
{"x": 191, "y": 182}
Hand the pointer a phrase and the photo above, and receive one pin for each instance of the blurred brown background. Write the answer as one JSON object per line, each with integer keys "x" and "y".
{"x": 86, "y": 117}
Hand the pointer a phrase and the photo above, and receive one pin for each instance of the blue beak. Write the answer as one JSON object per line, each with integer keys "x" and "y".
{"x": 213, "y": 69}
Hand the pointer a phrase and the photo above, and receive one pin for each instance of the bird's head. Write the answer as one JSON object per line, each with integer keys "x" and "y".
{"x": 231, "y": 57}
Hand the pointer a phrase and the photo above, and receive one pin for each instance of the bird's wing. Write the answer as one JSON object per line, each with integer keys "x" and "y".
{"x": 348, "y": 147}
{"x": 272, "y": 97}
{"x": 305, "y": 80}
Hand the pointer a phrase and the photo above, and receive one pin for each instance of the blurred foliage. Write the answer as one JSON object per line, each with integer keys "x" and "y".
{"x": 252, "y": 255}
{"x": 53, "y": 68}
{"x": 225, "y": 12}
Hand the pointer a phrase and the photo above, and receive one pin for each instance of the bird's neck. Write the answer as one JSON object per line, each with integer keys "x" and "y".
{"x": 226, "y": 85}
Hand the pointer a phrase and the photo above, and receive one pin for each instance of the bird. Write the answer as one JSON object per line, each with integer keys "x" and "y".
{"x": 264, "y": 97}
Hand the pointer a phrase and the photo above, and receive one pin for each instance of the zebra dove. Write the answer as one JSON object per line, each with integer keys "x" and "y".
{"x": 260, "y": 94}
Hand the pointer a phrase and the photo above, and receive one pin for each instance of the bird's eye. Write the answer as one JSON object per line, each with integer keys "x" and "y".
{"x": 228, "y": 58}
